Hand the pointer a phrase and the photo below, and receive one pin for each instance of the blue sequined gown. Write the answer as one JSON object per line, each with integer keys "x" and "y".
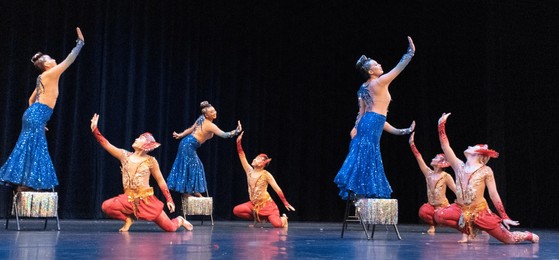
{"x": 30, "y": 164}
{"x": 362, "y": 171}
{"x": 187, "y": 174}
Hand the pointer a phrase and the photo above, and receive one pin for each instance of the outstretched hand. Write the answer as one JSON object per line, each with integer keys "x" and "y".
{"x": 412, "y": 126}
{"x": 94, "y": 121}
{"x": 507, "y": 222}
{"x": 443, "y": 118}
{"x": 411, "y": 138}
{"x": 240, "y": 137}
{"x": 171, "y": 207}
{"x": 239, "y": 126}
{"x": 411, "y": 46}
{"x": 80, "y": 35}
{"x": 177, "y": 135}
{"x": 289, "y": 207}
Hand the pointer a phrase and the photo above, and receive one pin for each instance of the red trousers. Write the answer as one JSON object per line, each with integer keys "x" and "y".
{"x": 427, "y": 213}
{"x": 485, "y": 221}
{"x": 120, "y": 208}
{"x": 269, "y": 211}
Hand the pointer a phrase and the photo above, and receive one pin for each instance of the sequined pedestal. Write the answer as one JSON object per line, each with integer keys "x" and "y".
{"x": 197, "y": 206}
{"x": 372, "y": 212}
{"x": 35, "y": 205}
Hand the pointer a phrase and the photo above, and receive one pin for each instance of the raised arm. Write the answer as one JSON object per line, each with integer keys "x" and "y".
{"x": 156, "y": 173}
{"x": 445, "y": 144}
{"x": 242, "y": 156}
{"x": 272, "y": 182}
{"x": 422, "y": 165}
{"x": 386, "y": 78}
{"x": 214, "y": 129}
{"x": 61, "y": 67}
{"x": 397, "y": 131}
{"x": 114, "y": 151}
{"x": 496, "y": 199}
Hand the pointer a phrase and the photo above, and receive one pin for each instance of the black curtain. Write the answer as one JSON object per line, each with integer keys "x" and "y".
{"x": 286, "y": 70}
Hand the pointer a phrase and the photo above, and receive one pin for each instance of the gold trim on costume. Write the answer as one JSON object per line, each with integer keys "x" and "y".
{"x": 135, "y": 195}
{"x": 469, "y": 215}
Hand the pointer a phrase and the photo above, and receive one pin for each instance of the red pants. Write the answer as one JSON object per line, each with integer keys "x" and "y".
{"x": 120, "y": 208}
{"x": 270, "y": 211}
{"x": 427, "y": 213}
{"x": 485, "y": 221}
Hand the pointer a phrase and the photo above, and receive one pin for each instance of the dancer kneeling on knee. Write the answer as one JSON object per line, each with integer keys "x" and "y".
{"x": 261, "y": 206}
{"x": 138, "y": 201}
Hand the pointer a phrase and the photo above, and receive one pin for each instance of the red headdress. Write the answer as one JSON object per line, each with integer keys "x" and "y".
{"x": 150, "y": 143}
{"x": 484, "y": 150}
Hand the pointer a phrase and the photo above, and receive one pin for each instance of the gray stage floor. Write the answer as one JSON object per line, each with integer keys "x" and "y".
{"x": 100, "y": 239}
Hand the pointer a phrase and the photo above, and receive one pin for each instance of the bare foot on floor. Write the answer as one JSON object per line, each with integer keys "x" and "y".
{"x": 464, "y": 239}
{"x": 127, "y": 223}
{"x": 284, "y": 221}
{"x": 431, "y": 230}
{"x": 535, "y": 238}
{"x": 185, "y": 223}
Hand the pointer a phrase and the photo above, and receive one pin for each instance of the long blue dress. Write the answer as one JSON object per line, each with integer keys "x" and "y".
{"x": 29, "y": 163}
{"x": 362, "y": 171}
{"x": 187, "y": 174}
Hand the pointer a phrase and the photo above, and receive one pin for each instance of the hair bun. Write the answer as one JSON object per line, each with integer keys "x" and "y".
{"x": 205, "y": 104}
{"x": 361, "y": 62}
{"x": 37, "y": 56}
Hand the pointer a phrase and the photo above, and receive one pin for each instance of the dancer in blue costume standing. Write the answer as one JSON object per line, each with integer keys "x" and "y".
{"x": 187, "y": 175}
{"x": 29, "y": 166}
{"x": 362, "y": 172}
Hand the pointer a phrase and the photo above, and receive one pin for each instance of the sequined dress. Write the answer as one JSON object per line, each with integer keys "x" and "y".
{"x": 30, "y": 164}
{"x": 187, "y": 174}
{"x": 362, "y": 171}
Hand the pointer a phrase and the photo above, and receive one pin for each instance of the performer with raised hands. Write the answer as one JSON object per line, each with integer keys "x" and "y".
{"x": 471, "y": 213}
{"x": 362, "y": 172}
{"x": 437, "y": 181}
{"x": 261, "y": 206}
{"x": 138, "y": 200}
{"x": 30, "y": 166}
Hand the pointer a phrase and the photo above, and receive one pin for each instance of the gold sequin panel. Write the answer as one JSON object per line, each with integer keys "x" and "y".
{"x": 378, "y": 211}
{"x": 197, "y": 205}
{"x": 36, "y": 204}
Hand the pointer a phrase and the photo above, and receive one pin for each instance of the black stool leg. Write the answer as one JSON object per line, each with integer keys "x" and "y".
{"x": 346, "y": 214}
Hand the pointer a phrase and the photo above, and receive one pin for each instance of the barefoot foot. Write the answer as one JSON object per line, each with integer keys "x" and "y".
{"x": 431, "y": 230}
{"x": 185, "y": 223}
{"x": 284, "y": 221}
{"x": 127, "y": 223}
{"x": 464, "y": 239}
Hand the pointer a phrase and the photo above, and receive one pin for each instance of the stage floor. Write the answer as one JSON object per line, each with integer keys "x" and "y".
{"x": 100, "y": 239}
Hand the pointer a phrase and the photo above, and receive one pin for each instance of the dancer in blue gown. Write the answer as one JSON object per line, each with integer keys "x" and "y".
{"x": 187, "y": 174}
{"x": 362, "y": 172}
{"x": 29, "y": 166}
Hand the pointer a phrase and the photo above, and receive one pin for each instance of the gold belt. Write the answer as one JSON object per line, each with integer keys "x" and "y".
{"x": 469, "y": 215}
{"x": 258, "y": 204}
{"x": 135, "y": 195}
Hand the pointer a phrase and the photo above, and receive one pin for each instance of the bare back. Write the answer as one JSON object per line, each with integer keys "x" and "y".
{"x": 49, "y": 93}
{"x": 381, "y": 97}
{"x": 204, "y": 132}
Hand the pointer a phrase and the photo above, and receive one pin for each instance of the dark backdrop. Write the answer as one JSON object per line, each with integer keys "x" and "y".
{"x": 286, "y": 70}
